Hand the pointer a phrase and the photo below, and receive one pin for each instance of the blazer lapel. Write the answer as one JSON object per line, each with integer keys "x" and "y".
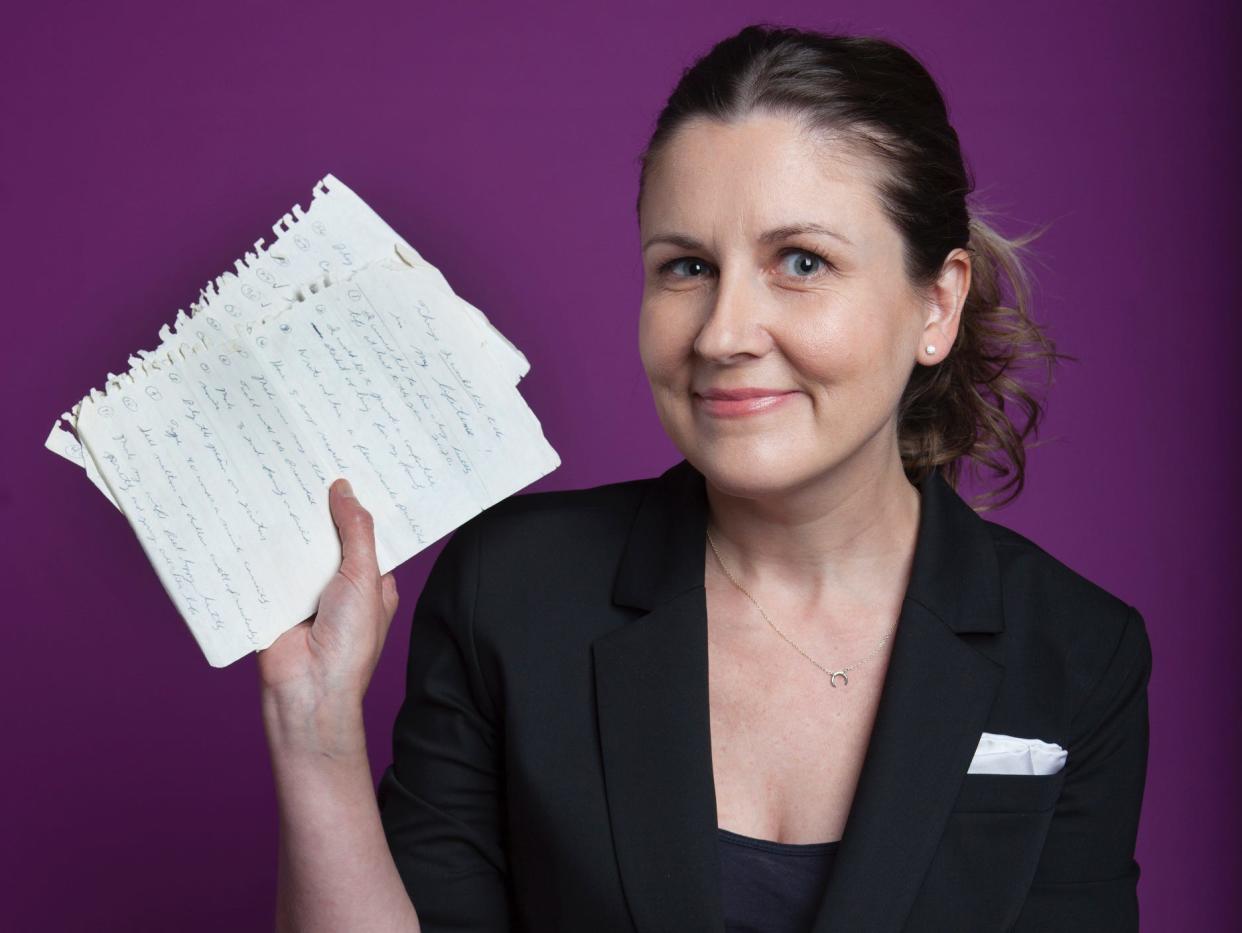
{"x": 652, "y": 703}
{"x": 652, "y": 700}
{"x": 934, "y": 704}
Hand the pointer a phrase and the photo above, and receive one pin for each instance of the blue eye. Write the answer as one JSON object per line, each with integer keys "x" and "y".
{"x": 804, "y": 258}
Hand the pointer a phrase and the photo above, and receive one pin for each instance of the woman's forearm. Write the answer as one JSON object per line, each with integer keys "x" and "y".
{"x": 335, "y": 870}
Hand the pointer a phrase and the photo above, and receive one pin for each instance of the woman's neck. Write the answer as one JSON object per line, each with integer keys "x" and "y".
{"x": 844, "y": 538}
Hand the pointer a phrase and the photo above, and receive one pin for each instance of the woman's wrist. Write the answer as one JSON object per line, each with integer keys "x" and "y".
{"x": 326, "y": 727}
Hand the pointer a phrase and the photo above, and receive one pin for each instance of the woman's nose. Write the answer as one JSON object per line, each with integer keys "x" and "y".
{"x": 734, "y": 323}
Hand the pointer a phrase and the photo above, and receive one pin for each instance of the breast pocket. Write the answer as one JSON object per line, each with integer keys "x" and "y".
{"x": 1009, "y": 793}
{"x": 982, "y": 870}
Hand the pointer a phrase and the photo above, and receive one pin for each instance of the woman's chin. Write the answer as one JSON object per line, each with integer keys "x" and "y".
{"x": 752, "y": 469}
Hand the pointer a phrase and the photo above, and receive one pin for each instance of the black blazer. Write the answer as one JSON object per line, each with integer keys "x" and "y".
{"x": 552, "y": 758}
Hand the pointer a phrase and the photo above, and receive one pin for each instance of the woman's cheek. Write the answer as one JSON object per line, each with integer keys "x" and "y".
{"x": 665, "y": 353}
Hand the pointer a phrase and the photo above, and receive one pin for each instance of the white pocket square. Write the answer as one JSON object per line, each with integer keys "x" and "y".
{"x": 1008, "y": 754}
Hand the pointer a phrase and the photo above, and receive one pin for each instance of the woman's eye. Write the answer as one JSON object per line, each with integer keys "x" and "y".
{"x": 695, "y": 264}
{"x": 806, "y": 264}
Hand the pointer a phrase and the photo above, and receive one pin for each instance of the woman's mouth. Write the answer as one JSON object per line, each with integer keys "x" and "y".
{"x": 732, "y": 403}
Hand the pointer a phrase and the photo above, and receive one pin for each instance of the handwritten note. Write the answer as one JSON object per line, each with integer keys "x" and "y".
{"x": 331, "y": 239}
{"x": 219, "y": 446}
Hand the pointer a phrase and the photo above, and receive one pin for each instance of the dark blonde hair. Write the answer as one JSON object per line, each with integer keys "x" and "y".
{"x": 875, "y": 95}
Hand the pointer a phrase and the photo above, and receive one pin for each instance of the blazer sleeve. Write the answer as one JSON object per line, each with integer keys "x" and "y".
{"x": 441, "y": 800}
{"x": 1087, "y": 876}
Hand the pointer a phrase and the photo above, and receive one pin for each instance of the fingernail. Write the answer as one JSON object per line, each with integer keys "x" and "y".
{"x": 346, "y": 489}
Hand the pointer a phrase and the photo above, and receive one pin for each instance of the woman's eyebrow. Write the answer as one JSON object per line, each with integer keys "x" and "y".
{"x": 781, "y": 233}
{"x": 684, "y": 241}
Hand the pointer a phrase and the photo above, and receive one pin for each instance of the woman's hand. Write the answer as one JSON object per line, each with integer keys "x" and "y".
{"x": 336, "y": 871}
{"x": 332, "y": 655}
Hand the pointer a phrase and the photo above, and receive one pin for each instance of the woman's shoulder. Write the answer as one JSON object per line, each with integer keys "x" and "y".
{"x": 1053, "y": 609}
{"x": 578, "y": 510}
{"x": 561, "y": 530}
{"x": 1027, "y": 566}
{"x": 537, "y": 569}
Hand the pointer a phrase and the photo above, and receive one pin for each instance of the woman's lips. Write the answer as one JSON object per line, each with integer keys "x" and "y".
{"x": 734, "y": 407}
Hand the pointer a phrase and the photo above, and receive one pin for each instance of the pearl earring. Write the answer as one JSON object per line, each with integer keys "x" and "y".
{"x": 931, "y": 351}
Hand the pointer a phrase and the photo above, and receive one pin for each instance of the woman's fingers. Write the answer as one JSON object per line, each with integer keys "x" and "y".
{"x": 357, "y": 531}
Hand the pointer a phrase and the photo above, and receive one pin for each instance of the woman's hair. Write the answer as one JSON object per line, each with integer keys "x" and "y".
{"x": 873, "y": 94}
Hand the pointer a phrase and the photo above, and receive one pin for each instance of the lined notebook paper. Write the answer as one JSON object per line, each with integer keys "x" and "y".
{"x": 336, "y": 351}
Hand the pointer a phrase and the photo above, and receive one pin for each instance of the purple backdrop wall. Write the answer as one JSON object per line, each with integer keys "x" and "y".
{"x": 143, "y": 149}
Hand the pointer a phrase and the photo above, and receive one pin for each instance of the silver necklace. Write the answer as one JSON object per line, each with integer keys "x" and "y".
{"x": 832, "y": 675}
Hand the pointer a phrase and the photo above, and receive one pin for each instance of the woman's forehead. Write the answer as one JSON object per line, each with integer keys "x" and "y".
{"x": 758, "y": 174}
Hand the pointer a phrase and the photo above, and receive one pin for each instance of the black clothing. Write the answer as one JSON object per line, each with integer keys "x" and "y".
{"x": 772, "y": 887}
{"x": 552, "y": 758}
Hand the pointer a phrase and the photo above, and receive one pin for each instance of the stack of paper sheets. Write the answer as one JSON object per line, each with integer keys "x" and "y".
{"x": 337, "y": 351}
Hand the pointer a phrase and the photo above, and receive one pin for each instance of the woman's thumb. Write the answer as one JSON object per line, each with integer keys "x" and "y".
{"x": 355, "y": 526}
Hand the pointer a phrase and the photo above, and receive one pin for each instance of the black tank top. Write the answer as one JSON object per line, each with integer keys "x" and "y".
{"x": 772, "y": 887}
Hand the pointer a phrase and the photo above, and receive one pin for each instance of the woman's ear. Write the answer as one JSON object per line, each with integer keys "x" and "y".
{"x": 944, "y": 307}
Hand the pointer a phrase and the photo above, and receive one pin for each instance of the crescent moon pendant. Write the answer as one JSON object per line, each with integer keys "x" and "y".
{"x": 832, "y": 678}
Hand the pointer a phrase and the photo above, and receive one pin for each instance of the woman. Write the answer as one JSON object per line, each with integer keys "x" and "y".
{"x": 750, "y": 693}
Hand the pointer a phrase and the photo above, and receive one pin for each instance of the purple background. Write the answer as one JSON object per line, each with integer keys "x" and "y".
{"x": 145, "y": 147}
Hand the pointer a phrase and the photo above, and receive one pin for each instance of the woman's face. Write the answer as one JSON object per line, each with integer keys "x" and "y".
{"x": 737, "y": 297}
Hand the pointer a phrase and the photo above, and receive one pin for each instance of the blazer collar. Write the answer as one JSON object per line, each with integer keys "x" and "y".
{"x": 651, "y": 682}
